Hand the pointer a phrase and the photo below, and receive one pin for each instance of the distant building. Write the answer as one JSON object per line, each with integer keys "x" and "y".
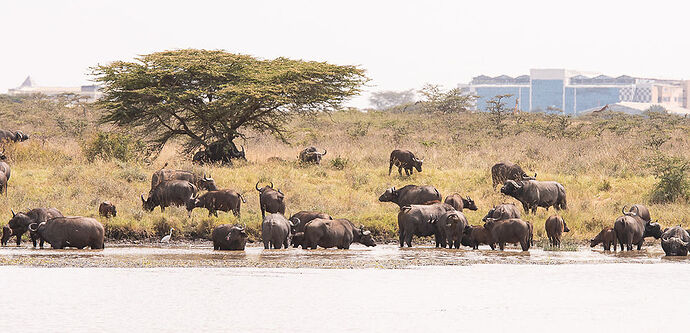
{"x": 91, "y": 92}
{"x": 575, "y": 92}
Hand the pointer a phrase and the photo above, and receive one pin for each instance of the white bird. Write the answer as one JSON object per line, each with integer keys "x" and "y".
{"x": 166, "y": 239}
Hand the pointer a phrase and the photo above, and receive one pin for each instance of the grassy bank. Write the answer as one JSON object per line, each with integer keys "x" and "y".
{"x": 601, "y": 161}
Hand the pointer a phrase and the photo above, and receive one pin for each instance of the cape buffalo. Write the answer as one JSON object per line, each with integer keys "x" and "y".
{"x": 460, "y": 203}
{"x": 420, "y": 220}
{"x": 223, "y": 200}
{"x": 202, "y": 183}
{"x": 555, "y": 226}
{"x": 509, "y": 231}
{"x": 675, "y": 241}
{"x": 606, "y": 237}
{"x": 632, "y": 229}
{"x": 501, "y": 172}
{"x": 219, "y": 151}
{"x": 404, "y": 159}
{"x": 229, "y": 237}
{"x": 477, "y": 235}
{"x": 311, "y": 155}
{"x": 502, "y": 212}
{"x": 298, "y": 239}
{"x": 19, "y": 224}
{"x": 338, "y": 233}
{"x": 275, "y": 231}
{"x": 3, "y": 183}
{"x": 73, "y": 231}
{"x": 641, "y": 211}
{"x": 455, "y": 227}
{"x": 106, "y": 209}
{"x": 169, "y": 193}
{"x": 533, "y": 194}
{"x": 15, "y": 136}
{"x": 6, "y": 234}
{"x": 270, "y": 200}
{"x": 301, "y": 218}
{"x": 410, "y": 195}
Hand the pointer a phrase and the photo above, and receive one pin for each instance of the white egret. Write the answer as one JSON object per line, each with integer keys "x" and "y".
{"x": 166, "y": 239}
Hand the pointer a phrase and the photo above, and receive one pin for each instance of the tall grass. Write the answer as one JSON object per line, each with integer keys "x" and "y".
{"x": 599, "y": 159}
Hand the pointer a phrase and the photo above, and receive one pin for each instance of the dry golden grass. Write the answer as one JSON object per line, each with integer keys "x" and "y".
{"x": 601, "y": 169}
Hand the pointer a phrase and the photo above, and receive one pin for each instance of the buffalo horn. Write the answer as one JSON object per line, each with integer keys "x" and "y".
{"x": 324, "y": 152}
{"x": 13, "y": 214}
{"x": 257, "y": 186}
{"x": 271, "y": 184}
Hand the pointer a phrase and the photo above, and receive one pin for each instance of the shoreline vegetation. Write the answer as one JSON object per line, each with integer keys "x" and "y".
{"x": 604, "y": 161}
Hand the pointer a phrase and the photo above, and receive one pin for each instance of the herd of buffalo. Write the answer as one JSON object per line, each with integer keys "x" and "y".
{"x": 422, "y": 211}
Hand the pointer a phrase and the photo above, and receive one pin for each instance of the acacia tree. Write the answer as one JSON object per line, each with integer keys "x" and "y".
{"x": 452, "y": 101}
{"x": 210, "y": 98}
{"x": 498, "y": 113}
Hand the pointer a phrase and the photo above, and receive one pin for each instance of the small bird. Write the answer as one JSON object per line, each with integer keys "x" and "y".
{"x": 166, "y": 239}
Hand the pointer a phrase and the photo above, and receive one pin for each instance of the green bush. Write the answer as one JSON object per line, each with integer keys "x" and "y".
{"x": 113, "y": 145}
{"x": 672, "y": 173}
{"x": 339, "y": 163}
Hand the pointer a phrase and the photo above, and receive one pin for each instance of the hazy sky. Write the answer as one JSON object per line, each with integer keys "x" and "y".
{"x": 401, "y": 44}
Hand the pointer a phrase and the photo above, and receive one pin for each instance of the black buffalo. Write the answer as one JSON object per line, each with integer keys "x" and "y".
{"x": 410, "y": 195}
{"x": 72, "y": 231}
{"x": 631, "y": 230}
{"x": 404, "y": 159}
{"x": 170, "y": 193}
{"x": 533, "y": 194}
{"x": 311, "y": 155}
{"x": 423, "y": 220}
{"x": 202, "y": 183}
{"x": 16, "y": 136}
{"x": 223, "y": 200}
{"x": 229, "y": 237}
{"x": 504, "y": 171}
{"x": 19, "y": 224}
{"x": 301, "y": 218}
{"x": 460, "y": 203}
{"x": 675, "y": 241}
{"x": 219, "y": 152}
{"x": 340, "y": 233}
{"x": 270, "y": 200}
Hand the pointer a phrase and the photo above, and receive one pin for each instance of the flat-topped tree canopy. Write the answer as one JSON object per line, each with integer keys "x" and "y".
{"x": 211, "y": 97}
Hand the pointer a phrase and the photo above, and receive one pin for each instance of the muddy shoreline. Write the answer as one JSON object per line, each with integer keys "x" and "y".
{"x": 388, "y": 256}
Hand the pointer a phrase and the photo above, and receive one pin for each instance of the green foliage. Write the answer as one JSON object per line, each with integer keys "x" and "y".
{"x": 672, "y": 175}
{"x": 339, "y": 163}
{"x": 113, "y": 145}
{"x": 359, "y": 129}
{"x": 383, "y": 100}
{"x": 212, "y": 97}
{"x": 451, "y": 101}
{"x": 498, "y": 112}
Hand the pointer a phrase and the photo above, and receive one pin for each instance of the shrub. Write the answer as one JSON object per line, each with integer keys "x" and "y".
{"x": 113, "y": 145}
{"x": 339, "y": 163}
{"x": 672, "y": 173}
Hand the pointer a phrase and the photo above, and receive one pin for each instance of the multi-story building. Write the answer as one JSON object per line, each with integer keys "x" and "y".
{"x": 575, "y": 92}
{"x": 90, "y": 92}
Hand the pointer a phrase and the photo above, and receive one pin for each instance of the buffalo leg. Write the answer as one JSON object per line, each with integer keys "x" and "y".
{"x": 524, "y": 245}
{"x": 614, "y": 246}
{"x": 400, "y": 236}
{"x": 390, "y": 167}
{"x": 639, "y": 245}
{"x": 492, "y": 246}
{"x": 502, "y": 246}
{"x": 267, "y": 245}
{"x": 19, "y": 239}
{"x": 400, "y": 170}
{"x": 408, "y": 238}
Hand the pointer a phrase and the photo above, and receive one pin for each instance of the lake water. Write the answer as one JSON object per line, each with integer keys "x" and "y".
{"x": 475, "y": 290}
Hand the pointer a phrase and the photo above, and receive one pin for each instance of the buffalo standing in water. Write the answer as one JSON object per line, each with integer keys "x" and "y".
{"x": 456, "y": 226}
{"x": 229, "y": 237}
{"x": 339, "y": 233}
{"x": 301, "y": 218}
{"x": 423, "y": 220}
{"x": 509, "y": 231}
{"x": 404, "y": 159}
{"x": 19, "y": 224}
{"x": 533, "y": 194}
{"x": 555, "y": 226}
{"x": 73, "y": 231}
{"x": 410, "y": 195}
{"x": 275, "y": 231}
{"x": 675, "y": 241}
{"x": 606, "y": 237}
{"x": 632, "y": 229}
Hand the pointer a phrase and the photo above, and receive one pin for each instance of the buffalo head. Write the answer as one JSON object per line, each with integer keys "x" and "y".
{"x": 565, "y": 226}
{"x": 417, "y": 164}
{"x": 469, "y": 204}
{"x": 148, "y": 204}
{"x": 391, "y": 195}
{"x": 365, "y": 237}
{"x": 208, "y": 184}
{"x": 652, "y": 229}
{"x": 490, "y": 222}
{"x": 263, "y": 188}
{"x": 511, "y": 187}
{"x": 236, "y": 234}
